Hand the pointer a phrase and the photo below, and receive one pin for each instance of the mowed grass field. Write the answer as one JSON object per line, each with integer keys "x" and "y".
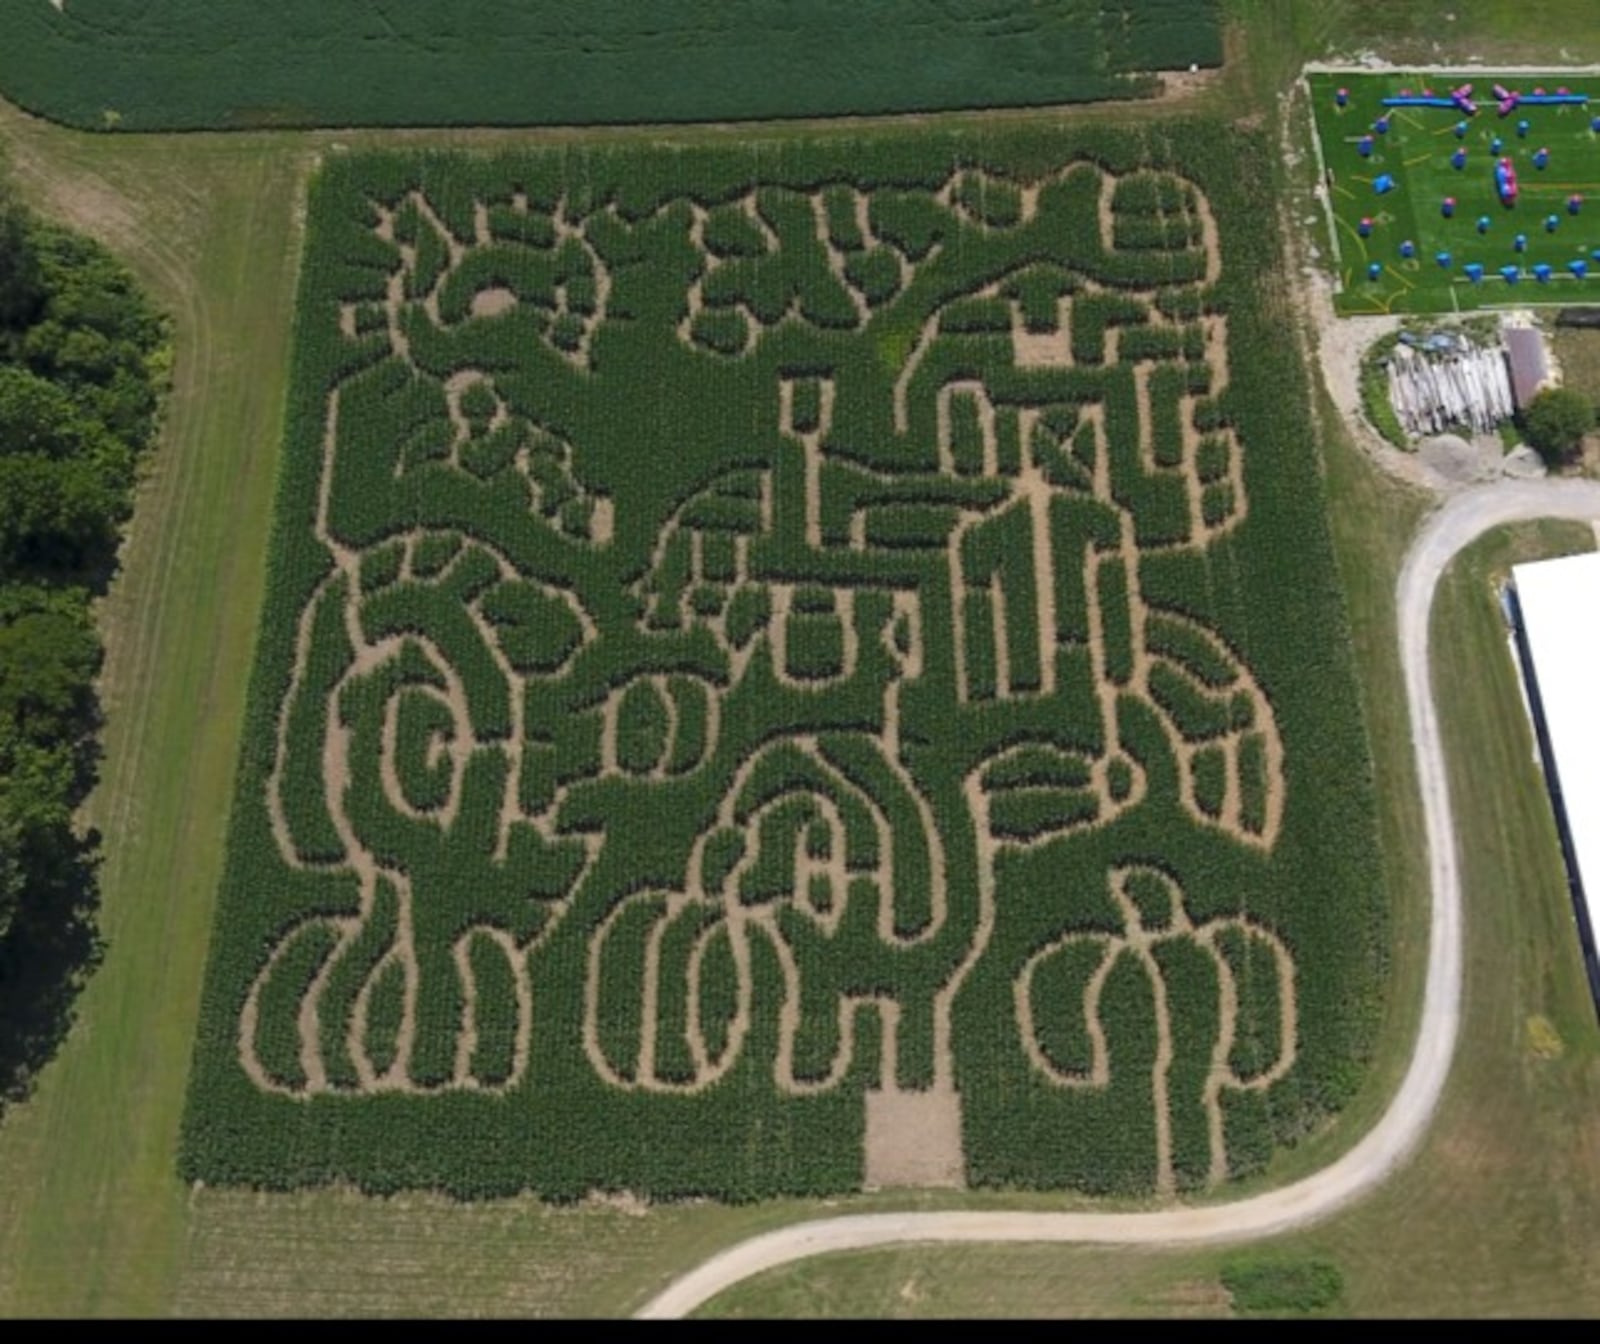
{"x": 1418, "y": 152}
{"x": 93, "y": 1220}
{"x": 1496, "y": 1216}
{"x": 1518, "y": 32}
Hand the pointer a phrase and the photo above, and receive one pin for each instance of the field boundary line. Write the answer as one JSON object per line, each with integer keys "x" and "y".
{"x": 1481, "y": 68}
{"x": 1323, "y": 191}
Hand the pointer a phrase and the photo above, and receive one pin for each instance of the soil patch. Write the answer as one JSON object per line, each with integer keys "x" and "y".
{"x": 913, "y": 1139}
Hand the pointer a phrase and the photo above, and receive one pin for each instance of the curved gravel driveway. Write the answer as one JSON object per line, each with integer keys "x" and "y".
{"x": 1458, "y": 523}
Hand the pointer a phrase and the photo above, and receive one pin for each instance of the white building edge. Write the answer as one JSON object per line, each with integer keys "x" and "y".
{"x": 1558, "y": 635}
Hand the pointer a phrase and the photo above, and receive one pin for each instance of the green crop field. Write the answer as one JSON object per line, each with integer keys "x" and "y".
{"x": 184, "y": 64}
{"x": 1418, "y": 152}
{"x": 809, "y": 644}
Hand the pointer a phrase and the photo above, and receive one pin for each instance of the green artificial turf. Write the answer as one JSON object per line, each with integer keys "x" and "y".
{"x": 1417, "y": 152}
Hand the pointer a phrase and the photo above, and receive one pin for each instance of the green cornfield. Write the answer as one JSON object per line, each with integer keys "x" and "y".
{"x": 220, "y": 64}
{"x": 790, "y": 667}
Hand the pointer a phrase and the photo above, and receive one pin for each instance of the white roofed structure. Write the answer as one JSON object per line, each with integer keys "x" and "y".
{"x": 1558, "y": 606}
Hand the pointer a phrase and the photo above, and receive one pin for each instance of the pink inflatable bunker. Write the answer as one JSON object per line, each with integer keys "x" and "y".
{"x": 1505, "y": 181}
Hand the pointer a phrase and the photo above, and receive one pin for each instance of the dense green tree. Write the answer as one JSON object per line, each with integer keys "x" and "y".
{"x": 21, "y": 283}
{"x": 1555, "y": 422}
{"x": 47, "y": 665}
{"x": 48, "y": 660}
{"x": 36, "y": 416}
{"x": 57, "y": 514}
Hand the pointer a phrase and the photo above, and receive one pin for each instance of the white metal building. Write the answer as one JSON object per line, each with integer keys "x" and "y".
{"x": 1558, "y": 636}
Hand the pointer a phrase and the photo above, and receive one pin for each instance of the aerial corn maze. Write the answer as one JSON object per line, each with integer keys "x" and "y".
{"x": 793, "y": 668}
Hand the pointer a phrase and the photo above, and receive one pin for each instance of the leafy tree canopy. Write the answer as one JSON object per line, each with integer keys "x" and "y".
{"x": 21, "y": 283}
{"x": 1556, "y": 421}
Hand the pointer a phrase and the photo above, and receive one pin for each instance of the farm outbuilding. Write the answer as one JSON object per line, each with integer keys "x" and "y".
{"x": 1530, "y": 367}
{"x": 1557, "y": 612}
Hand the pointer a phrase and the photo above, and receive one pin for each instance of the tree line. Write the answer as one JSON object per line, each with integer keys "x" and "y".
{"x": 82, "y": 365}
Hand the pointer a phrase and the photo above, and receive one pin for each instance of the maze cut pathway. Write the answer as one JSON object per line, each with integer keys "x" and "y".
{"x": 715, "y": 718}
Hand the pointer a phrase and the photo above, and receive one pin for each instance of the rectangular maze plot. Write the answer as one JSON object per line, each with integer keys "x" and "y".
{"x": 791, "y": 673}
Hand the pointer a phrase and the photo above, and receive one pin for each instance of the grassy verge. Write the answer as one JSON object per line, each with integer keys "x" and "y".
{"x": 1578, "y": 350}
{"x": 1518, "y": 32}
{"x": 1495, "y": 1216}
{"x": 92, "y": 1213}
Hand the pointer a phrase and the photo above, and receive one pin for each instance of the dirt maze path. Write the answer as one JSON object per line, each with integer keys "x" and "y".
{"x": 682, "y": 1011}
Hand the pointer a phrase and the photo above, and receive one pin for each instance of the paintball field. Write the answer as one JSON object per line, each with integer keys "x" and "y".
{"x": 1555, "y": 213}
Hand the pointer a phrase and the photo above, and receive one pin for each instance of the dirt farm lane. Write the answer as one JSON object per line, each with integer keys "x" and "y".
{"x": 1458, "y": 523}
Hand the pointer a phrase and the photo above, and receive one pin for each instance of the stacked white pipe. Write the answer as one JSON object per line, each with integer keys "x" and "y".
{"x": 1435, "y": 391}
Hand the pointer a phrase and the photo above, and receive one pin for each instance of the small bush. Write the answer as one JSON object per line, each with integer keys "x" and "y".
{"x": 1277, "y": 1287}
{"x": 1375, "y": 393}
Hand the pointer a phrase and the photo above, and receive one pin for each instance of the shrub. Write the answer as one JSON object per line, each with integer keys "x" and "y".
{"x": 1279, "y": 1286}
{"x": 1375, "y": 401}
{"x": 1555, "y": 423}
